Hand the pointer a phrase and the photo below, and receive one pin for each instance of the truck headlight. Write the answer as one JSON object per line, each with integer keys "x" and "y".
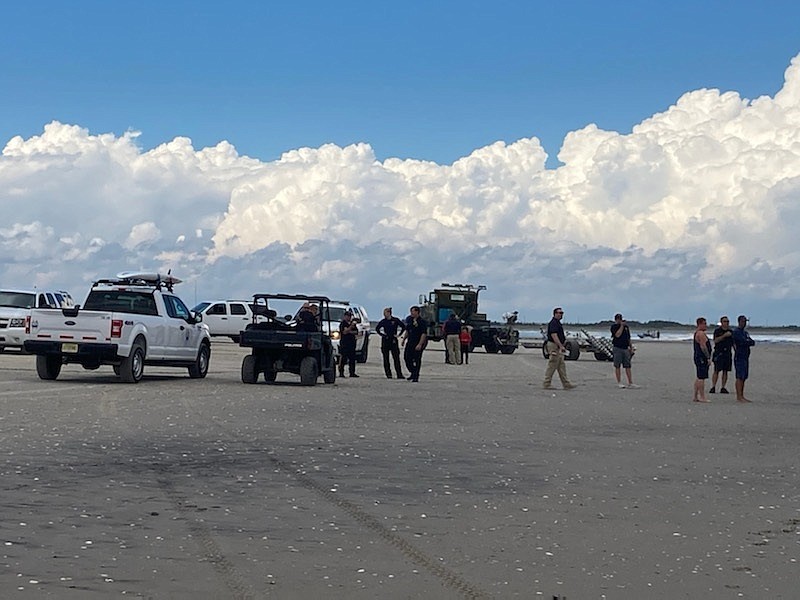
{"x": 17, "y": 322}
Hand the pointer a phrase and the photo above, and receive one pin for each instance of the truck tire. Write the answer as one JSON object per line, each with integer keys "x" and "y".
{"x": 329, "y": 376}
{"x": 131, "y": 368}
{"x": 48, "y": 366}
{"x": 308, "y": 371}
{"x": 200, "y": 367}
{"x": 507, "y": 349}
{"x": 491, "y": 347}
{"x": 573, "y": 350}
{"x": 364, "y": 354}
{"x": 249, "y": 373}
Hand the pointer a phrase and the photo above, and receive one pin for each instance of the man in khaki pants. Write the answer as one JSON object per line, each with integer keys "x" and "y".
{"x": 556, "y": 350}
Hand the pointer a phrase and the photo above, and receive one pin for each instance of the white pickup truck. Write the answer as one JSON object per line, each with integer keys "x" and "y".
{"x": 128, "y": 322}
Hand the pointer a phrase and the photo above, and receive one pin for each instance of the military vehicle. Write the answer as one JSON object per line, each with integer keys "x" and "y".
{"x": 462, "y": 299}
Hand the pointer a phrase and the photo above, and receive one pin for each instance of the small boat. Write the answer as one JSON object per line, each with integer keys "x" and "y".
{"x": 650, "y": 334}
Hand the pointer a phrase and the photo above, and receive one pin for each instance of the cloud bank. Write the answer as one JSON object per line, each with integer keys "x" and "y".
{"x": 693, "y": 212}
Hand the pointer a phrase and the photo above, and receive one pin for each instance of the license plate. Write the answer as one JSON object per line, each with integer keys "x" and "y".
{"x": 68, "y": 347}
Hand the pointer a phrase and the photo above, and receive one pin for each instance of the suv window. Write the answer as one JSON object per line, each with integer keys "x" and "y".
{"x": 238, "y": 309}
{"x": 218, "y": 309}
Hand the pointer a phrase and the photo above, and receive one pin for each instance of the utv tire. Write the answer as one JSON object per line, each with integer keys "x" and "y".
{"x": 308, "y": 371}
{"x": 507, "y": 349}
{"x": 249, "y": 373}
{"x": 329, "y": 376}
{"x": 48, "y": 366}
{"x": 131, "y": 368}
{"x": 491, "y": 347}
{"x": 601, "y": 356}
{"x": 545, "y": 352}
{"x": 200, "y": 367}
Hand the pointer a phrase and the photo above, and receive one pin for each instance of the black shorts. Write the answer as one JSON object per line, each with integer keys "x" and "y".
{"x": 723, "y": 362}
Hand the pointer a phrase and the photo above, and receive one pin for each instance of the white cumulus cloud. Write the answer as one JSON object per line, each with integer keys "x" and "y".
{"x": 693, "y": 211}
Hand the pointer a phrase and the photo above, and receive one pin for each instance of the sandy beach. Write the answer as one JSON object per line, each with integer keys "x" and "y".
{"x": 473, "y": 483}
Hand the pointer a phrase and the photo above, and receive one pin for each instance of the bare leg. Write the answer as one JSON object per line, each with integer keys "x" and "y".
{"x": 699, "y": 391}
{"x": 629, "y": 376}
{"x": 740, "y": 391}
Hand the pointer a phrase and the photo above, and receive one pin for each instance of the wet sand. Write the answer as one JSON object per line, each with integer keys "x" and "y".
{"x": 473, "y": 483}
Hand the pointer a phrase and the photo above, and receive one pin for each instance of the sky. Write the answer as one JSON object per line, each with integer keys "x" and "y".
{"x": 627, "y": 157}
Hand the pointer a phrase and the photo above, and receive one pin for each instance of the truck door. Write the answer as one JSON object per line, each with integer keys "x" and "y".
{"x": 239, "y": 317}
{"x": 182, "y": 337}
{"x": 216, "y": 317}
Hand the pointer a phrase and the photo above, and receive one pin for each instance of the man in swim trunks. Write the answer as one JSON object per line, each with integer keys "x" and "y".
{"x": 742, "y": 342}
{"x": 702, "y": 356}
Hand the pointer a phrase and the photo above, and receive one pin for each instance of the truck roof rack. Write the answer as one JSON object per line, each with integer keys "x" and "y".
{"x": 151, "y": 280}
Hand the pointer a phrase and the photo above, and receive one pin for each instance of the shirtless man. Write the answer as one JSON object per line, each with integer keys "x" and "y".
{"x": 702, "y": 356}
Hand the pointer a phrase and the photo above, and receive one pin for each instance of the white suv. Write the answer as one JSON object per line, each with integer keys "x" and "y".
{"x": 15, "y": 305}
{"x": 360, "y": 317}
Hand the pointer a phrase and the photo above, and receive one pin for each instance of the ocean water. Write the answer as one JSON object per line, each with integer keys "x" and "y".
{"x": 760, "y": 335}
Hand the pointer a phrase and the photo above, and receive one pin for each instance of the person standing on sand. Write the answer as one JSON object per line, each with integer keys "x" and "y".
{"x": 702, "y": 355}
{"x": 722, "y": 358}
{"x": 742, "y": 342}
{"x": 415, "y": 339}
{"x": 465, "y": 337}
{"x": 390, "y": 328}
{"x": 623, "y": 350}
{"x": 556, "y": 350}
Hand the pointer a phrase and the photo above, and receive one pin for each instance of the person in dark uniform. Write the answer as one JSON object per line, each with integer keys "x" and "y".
{"x": 390, "y": 328}
{"x": 414, "y": 339}
{"x": 723, "y": 354}
{"x": 347, "y": 343}
{"x": 623, "y": 350}
{"x": 307, "y": 317}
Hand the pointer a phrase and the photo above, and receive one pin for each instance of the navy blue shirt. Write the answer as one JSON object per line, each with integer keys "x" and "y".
{"x": 452, "y": 327}
{"x": 415, "y": 330}
{"x": 624, "y": 339}
{"x": 556, "y": 327}
{"x": 390, "y": 328}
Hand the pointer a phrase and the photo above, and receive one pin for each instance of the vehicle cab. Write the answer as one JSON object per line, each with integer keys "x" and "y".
{"x": 15, "y": 305}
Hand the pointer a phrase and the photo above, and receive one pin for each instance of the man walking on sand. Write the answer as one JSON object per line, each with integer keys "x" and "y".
{"x": 623, "y": 351}
{"x": 702, "y": 355}
{"x": 742, "y": 342}
{"x": 556, "y": 350}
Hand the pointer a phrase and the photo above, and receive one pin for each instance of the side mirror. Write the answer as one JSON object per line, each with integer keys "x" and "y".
{"x": 197, "y": 316}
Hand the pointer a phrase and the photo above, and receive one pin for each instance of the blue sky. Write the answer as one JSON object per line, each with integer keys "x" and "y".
{"x": 379, "y": 149}
{"x": 425, "y": 80}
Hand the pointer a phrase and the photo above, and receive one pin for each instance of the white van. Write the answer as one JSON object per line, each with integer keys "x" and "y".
{"x": 15, "y": 306}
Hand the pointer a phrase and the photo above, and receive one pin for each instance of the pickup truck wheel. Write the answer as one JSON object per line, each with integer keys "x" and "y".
{"x": 131, "y": 368}
{"x": 48, "y": 366}
{"x": 200, "y": 367}
{"x": 308, "y": 371}
{"x": 249, "y": 373}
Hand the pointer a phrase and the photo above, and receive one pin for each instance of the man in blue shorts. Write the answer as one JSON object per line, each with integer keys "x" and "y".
{"x": 742, "y": 342}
